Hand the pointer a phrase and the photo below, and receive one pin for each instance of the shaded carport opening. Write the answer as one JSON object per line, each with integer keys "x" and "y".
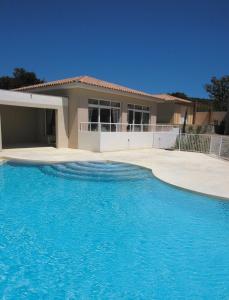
{"x": 27, "y": 127}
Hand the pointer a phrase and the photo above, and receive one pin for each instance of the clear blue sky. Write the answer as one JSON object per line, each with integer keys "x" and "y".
{"x": 156, "y": 46}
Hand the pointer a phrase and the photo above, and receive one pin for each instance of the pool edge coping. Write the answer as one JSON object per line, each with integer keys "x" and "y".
{"x": 5, "y": 159}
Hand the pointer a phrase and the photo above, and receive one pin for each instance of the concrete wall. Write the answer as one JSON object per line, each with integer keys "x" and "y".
{"x": 165, "y": 140}
{"x": 165, "y": 112}
{"x": 30, "y": 100}
{"x": 173, "y": 113}
{"x": 89, "y": 141}
{"x": 204, "y": 118}
{"x": 114, "y": 141}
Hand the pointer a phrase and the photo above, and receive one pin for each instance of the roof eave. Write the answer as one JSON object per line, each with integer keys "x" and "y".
{"x": 94, "y": 88}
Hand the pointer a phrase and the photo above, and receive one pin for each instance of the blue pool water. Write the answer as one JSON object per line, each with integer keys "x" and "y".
{"x": 108, "y": 231}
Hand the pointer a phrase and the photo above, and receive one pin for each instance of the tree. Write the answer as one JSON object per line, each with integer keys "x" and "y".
{"x": 218, "y": 90}
{"x": 20, "y": 78}
{"x": 180, "y": 95}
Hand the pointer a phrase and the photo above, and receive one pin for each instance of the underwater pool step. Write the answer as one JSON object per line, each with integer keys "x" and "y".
{"x": 107, "y": 167}
{"x": 96, "y": 173}
{"x": 83, "y": 169}
{"x": 93, "y": 174}
{"x": 91, "y": 178}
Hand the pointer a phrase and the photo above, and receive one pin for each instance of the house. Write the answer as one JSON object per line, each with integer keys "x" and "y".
{"x": 62, "y": 112}
{"x": 174, "y": 109}
{"x": 206, "y": 115}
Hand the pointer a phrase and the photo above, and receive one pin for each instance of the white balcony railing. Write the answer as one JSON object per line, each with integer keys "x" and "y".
{"x": 125, "y": 127}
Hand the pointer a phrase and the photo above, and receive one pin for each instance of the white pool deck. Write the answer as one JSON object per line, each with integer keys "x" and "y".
{"x": 193, "y": 171}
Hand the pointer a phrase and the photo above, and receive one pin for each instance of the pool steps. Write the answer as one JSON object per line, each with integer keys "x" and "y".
{"x": 96, "y": 171}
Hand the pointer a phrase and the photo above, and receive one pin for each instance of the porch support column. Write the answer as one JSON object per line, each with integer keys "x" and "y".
{"x": 153, "y": 113}
{"x": 62, "y": 125}
{"x": 124, "y": 114}
{"x": 177, "y": 114}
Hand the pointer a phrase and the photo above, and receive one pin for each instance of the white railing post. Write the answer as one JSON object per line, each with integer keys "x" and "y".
{"x": 210, "y": 148}
{"x": 179, "y": 140}
{"x": 220, "y": 146}
{"x": 99, "y": 127}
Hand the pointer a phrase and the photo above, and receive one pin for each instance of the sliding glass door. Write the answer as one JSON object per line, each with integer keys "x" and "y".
{"x": 105, "y": 113}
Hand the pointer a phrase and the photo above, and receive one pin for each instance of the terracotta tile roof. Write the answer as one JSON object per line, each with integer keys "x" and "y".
{"x": 87, "y": 80}
{"x": 50, "y": 84}
{"x": 171, "y": 98}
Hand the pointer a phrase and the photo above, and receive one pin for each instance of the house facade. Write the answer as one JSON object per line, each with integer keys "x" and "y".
{"x": 92, "y": 102}
{"x": 79, "y": 112}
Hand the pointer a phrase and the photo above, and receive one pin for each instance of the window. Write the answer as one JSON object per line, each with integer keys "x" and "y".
{"x": 93, "y": 102}
{"x": 105, "y": 112}
{"x": 138, "y": 117}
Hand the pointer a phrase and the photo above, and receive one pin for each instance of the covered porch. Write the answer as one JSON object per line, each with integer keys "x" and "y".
{"x": 30, "y": 120}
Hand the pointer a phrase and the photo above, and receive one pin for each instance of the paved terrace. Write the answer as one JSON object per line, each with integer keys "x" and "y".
{"x": 193, "y": 171}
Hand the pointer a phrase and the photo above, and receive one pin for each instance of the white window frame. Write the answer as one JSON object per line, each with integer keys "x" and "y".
{"x": 99, "y": 106}
{"x": 138, "y": 110}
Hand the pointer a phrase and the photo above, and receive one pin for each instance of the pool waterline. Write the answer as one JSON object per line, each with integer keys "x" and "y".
{"x": 140, "y": 165}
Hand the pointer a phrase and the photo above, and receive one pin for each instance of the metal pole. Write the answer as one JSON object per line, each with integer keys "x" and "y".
{"x": 220, "y": 145}
{"x": 179, "y": 139}
{"x": 210, "y": 148}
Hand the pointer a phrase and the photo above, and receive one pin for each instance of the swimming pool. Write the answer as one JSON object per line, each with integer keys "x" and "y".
{"x": 92, "y": 230}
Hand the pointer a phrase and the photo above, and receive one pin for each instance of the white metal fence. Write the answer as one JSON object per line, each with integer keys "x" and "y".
{"x": 210, "y": 144}
{"x": 220, "y": 146}
{"x": 194, "y": 142}
{"x": 120, "y": 136}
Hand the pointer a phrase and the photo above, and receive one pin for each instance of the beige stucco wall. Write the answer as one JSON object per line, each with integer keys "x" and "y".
{"x": 78, "y": 107}
{"x": 189, "y": 109}
{"x": 173, "y": 113}
{"x": 61, "y": 117}
{"x": 205, "y": 117}
{"x": 165, "y": 113}
{"x": 21, "y": 125}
